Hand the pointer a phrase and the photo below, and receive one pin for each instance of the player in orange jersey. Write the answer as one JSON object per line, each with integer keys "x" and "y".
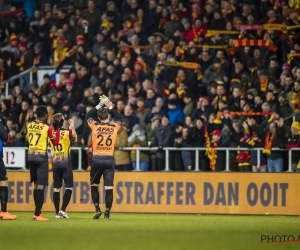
{"x": 104, "y": 136}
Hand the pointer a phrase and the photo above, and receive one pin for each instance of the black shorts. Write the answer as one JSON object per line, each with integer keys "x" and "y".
{"x": 38, "y": 167}
{"x": 103, "y": 165}
{"x": 62, "y": 171}
{"x": 3, "y": 174}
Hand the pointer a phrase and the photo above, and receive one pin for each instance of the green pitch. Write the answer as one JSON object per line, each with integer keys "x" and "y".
{"x": 147, "y": 231}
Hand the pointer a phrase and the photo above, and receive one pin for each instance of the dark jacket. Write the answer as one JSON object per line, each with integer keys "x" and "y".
{"x": 162, "y": 137}
{"x": 278, "y": 141}
{"x": 294, "y": 142}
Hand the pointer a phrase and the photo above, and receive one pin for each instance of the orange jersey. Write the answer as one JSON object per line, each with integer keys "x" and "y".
{"x": 104, "y": 136}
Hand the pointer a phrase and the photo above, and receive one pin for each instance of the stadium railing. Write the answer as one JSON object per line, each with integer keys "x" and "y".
{"x": 20, "y": 164}
{"x": 42, "y": 69}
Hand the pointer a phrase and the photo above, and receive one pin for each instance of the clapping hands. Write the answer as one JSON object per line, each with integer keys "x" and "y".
{"x": 71, "y": 124}
{"x": 105, "y": 101}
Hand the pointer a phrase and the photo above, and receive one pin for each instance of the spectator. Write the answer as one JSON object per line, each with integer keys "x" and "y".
{"x": 151, "y": 128}
{"x": 203, "y": 107}
{"x": 256, "y": 142}
{"x": 175, "y": 113}
{"x": 157, "y": 109}
{"x": 120, "y": 106}
{"x": 176, "y": 142}
{"x": 142, "y": 112}
{"x": 217, "y": 158}
{"x": 183, "y": 141}
{"x": 12, "y": 140}
{"x": 294, "y": 98}
{"x": 189, "y": 104}
{"x": 91, "y": 14}
{"x": 188, "y": 122}
{"x": 162, "y": 139}
{"x": 213, "y": 72}
{"x": 294, "y": 142}
{"x": 138, "y": 139}
{"x": 151, "y": 98}
{"x": 129, "y": 116}
{"x": 273, "y": 138}
{"x": 122, "y": 159}
{"x": 282, "y": 108}
{"x": 24, "y": 115}
{"x": 197, "y": 140}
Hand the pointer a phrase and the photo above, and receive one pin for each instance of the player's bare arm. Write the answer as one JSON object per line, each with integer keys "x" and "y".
{"x": 72, "y": 129}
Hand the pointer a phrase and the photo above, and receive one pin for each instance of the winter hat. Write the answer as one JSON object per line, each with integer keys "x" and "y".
{"x": 296, "y": 125}
{"x": 136, "y": 127}
{"x": 23, "y": 44}
{"x": 80, "y": 38}
{"x": 69, "y": 82}
{"x": 217, "y": 132}
{"x": 13, "y": 38}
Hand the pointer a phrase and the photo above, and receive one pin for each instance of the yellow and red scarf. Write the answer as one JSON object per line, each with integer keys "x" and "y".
{"x": 264, "y": 85}
{"x": 2, "y": 78}
{"x": 59, "y": 56}
{"x": 295, "y": 101}
{"x": 243, "y": 157}
{"x": 212, "y": 156}
{"x": 197, "y": 32}
{"x": 187, "y": 65}
{"x": 20, "y": 64}
{"x": 251, "y": 43}
{"x": 290, "y": 57}
{"x": 162, "y": 23}
{"x": 210, "y": 33}
{"x": 218, "y": 98}
{"x": 268, "y": 143}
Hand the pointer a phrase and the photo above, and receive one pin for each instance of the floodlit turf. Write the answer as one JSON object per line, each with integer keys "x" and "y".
{"x": 147, "y": 231}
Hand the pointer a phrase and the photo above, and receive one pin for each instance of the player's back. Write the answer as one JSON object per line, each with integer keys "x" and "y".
{"x": 37, "y": 136}
{"x": 61, "y": 152}
{"x": 104, "y": 136}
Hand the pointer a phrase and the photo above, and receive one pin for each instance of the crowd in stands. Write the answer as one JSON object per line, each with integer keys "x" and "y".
{"x": 179, "y": 71}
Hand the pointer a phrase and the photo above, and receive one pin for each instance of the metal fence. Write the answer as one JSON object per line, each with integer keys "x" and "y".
{"x": 167, "y": 151}
{"x": 30, "y": 73}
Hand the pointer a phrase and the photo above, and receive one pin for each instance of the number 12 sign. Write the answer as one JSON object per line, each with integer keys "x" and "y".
{"x": 14, "y": 157}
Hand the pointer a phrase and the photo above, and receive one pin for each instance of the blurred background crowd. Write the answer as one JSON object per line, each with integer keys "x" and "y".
{"x": 179, "y": 72}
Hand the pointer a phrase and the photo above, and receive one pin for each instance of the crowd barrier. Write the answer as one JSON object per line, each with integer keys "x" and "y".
{"x": 39, "y": 71}
{"x": 174, "y": 192}
{"x": 15, "y": 157}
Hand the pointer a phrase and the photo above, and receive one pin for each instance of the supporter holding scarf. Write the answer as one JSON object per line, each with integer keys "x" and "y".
{"x": 273, "y": 138}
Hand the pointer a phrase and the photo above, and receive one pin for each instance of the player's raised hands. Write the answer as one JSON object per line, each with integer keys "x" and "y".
{"x": 103, "y": 99}
{"x": 108, "y": 104}
{"x": 71, "y": 123}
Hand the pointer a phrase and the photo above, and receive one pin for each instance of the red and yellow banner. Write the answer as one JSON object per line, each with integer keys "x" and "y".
{"x": 212, "y": 193}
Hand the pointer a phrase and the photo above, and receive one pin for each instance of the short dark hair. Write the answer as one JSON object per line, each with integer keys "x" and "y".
{"x": 102, "y": 113}
{"x": 42, "y": 112}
